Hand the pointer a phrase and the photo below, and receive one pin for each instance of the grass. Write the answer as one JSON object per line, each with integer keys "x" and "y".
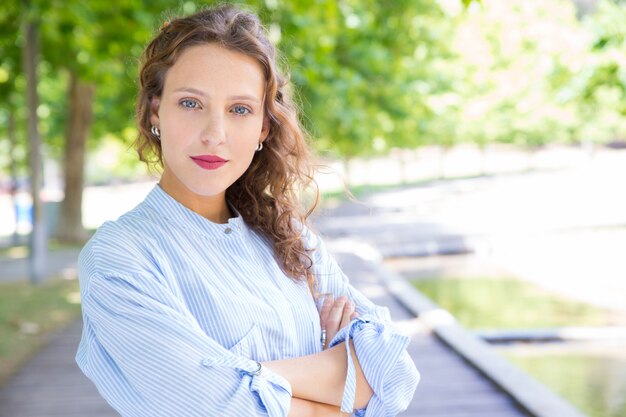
{"x": 14, "y": 252}
{"x": 28, "y": 315}
{"x": 21, "y": 250}
{"x": 508, "y": 303}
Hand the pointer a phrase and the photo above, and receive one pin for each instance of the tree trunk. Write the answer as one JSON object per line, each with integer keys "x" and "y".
{"x": 12, "y": 132}
{"x": 443, "y": 153}
{"x": 483, "y": 159}
{"x": 38, "y": 237}
{"x": 348, "y": 171}
{"x": 81, "y": 94}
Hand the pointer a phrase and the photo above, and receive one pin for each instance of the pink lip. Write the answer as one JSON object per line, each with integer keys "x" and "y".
{"x": 208, "y": 161}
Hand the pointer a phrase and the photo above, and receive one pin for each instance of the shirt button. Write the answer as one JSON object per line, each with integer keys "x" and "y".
{"x": 228, "y": 230}
{"x": 208, "y": 362}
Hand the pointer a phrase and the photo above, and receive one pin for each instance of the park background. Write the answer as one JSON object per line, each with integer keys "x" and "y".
{"x": 504, "y": 121}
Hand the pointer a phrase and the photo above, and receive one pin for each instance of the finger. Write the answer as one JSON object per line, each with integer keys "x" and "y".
{"x": 325, "y": 311}
{"x": 348, "y": 310}
{"x": 335, "y": 315}
{"x": 355, "y": 314}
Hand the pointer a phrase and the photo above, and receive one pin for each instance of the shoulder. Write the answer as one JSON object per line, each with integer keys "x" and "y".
{"x": 315, "y": 244}
{"x": 310, "y": 238}
{"x": 122, "y": 245}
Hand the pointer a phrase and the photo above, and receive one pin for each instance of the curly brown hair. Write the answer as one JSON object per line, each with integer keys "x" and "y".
{"x": 269, "y": 194}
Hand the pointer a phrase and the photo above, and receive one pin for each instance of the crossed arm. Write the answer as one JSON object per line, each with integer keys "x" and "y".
{"x": 318, "y": 380}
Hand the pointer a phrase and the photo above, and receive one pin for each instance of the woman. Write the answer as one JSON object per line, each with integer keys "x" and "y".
{"x": 199, "y": 302}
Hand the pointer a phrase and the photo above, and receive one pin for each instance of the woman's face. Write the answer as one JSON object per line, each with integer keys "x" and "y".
{"x": 211, "y": 109}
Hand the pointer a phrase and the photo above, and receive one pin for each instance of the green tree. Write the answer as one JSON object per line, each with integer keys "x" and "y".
{"x": 362, "y": 69}
{"x": 514, "y": 57}
{"x": 10, "y": 101}
{"x": 92, "y": 43}
{"x": 600, "y": 85}
{"x": 530, "y": 73}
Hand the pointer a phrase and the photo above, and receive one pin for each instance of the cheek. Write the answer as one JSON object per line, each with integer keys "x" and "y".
{"x": 176, "y": 136}
{"x": 244, "y": 154}
{"x": 166, "y": 151}
{"x": 173, "y": 145}
{"x": 251, "y": 132}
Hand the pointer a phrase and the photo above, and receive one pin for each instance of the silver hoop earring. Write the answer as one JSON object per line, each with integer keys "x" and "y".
{"x": 259, "y": 146}
{"x": 156, "y": 132}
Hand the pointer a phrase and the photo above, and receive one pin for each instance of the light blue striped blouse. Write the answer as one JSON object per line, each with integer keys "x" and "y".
{"x": 177, "y": 310}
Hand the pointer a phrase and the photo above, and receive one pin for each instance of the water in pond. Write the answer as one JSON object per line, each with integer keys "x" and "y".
{"x": 590, "y": 376}
{"x": 594, "y": 380}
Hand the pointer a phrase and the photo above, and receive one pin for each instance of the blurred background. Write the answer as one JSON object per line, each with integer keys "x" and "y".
{"x": 496, "y": 127}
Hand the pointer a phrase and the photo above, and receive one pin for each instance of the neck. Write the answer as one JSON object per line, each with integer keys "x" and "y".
{"x": 213, "y": 208}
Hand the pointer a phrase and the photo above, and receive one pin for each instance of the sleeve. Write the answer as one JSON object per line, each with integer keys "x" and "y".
{"x": 379, "y": 346}
{"x": 148, "y": 357}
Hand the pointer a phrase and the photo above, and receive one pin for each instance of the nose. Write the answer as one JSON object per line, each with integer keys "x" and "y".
{"x": 214, "y": 129}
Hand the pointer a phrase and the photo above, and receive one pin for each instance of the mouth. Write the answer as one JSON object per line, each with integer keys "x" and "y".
{"x": 209, "y": 161}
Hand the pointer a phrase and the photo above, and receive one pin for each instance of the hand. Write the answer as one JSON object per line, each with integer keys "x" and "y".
{"x": 335, "y": 315}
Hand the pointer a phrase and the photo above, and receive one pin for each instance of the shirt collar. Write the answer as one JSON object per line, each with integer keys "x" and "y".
{"x": 166, "y": 206}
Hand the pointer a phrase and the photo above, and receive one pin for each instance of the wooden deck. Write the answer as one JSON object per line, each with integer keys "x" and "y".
{"x": 52, "y": 386}
{"x": 452, "y": 388}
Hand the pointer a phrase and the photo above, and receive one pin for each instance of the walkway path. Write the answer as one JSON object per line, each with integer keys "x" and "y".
{"x": 51, "y": 385}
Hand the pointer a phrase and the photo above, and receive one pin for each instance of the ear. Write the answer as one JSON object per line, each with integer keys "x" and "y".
{"x": 154, "y": 110}
{"x": 265, "y": 130}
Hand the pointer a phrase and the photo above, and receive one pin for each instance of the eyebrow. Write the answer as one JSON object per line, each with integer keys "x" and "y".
{"x": 205, "y": 94}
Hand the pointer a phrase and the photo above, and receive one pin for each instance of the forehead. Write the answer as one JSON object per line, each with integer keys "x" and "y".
{"x": 215, "y": 69}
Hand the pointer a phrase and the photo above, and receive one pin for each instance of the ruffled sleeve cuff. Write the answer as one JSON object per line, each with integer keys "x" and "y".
{"x": 389, "y": 370}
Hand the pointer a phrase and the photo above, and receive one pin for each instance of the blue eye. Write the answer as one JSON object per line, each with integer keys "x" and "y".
{"x": 189, "y": 104}
{"x": 241, "y": 110}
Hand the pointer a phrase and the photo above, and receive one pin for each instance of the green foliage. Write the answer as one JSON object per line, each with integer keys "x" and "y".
{"x": 12, "y": 102}
{"x": 99, "y": 41}
{"x": 358, "y": 67}
{"x": 600, "y": 86}
{"x": 529, "y": 72}
{"x": 509, "y": 53}
{"x": 369, "y": 75}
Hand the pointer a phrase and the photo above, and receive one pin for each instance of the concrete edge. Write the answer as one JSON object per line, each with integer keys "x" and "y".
{"x": 555, "y": 334}
{"x": 529, "y": 393}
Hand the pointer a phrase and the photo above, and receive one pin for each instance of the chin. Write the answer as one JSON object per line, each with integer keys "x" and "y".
{"x": 204, "y": 189}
